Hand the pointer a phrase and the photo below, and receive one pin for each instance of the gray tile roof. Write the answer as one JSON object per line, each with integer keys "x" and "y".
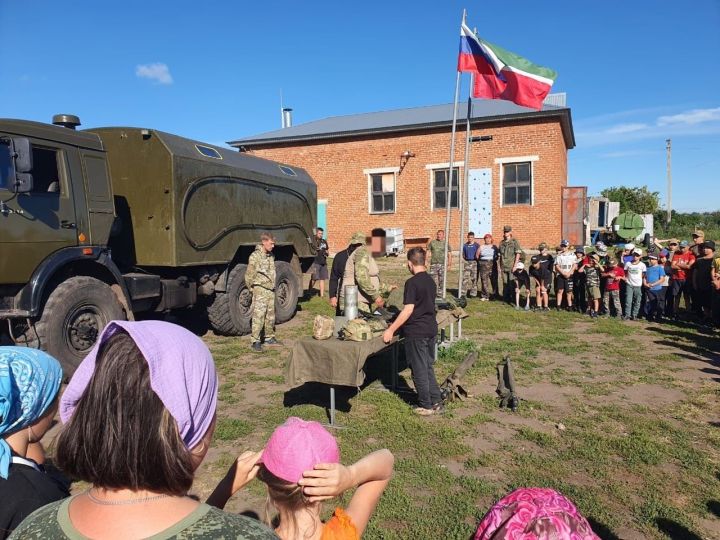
{"x": 416, "y": 118}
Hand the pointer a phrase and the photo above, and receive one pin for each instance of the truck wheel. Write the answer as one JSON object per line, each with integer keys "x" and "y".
{"x": 73, "y": 317}
{"x": 230, "y": 313}
{"x": 287, "y": 292}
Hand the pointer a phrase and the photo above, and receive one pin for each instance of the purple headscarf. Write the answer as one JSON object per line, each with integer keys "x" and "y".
{"x": 182, "y": 374}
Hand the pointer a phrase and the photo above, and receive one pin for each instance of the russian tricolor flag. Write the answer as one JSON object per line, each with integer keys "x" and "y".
{"x": 501, "y": 74}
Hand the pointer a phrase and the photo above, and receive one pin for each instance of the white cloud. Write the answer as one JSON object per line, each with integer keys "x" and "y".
{"x": 696, "y": 116}
{"x": 157, "y": 72}
{"x": 626, "y": 128}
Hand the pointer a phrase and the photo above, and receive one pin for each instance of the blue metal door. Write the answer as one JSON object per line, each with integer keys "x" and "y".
{"x": 322, "y": 215}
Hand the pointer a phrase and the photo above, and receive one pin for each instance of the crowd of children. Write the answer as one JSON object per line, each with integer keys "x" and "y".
{"x": 628, "y": 284}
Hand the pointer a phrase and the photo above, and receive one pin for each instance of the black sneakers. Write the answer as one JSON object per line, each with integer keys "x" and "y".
{"x": 256, "y": 346}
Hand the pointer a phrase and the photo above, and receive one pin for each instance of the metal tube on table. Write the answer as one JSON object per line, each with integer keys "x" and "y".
{"x": 351, "y": 302}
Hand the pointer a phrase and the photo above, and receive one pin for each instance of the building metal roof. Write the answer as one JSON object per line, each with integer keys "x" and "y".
{"x": 484, "y": 111}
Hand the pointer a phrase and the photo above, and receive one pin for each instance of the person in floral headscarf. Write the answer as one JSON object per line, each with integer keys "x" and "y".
{"x": 534, "y": 514}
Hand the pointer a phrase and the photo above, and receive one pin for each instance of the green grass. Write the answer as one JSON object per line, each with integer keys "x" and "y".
{"x": 627, "y": 466}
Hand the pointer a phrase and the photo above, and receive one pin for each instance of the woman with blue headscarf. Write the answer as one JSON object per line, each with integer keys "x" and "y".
{"x": 29, "y": 387}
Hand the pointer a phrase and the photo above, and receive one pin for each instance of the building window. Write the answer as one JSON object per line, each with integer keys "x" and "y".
{"x": 382, "y": 193}
{"x": 440, "y": 179}
{"x": 517, "y": 183}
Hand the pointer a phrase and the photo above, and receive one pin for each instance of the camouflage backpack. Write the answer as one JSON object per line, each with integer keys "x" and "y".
{"x": 356, "y": 330}
{"x": 323, "y": 327}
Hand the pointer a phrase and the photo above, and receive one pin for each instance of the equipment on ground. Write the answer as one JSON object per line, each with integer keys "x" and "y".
{"x": 113, "y": 222}
{"x": 452, "y": 388}
{"x": 506, "y": 384}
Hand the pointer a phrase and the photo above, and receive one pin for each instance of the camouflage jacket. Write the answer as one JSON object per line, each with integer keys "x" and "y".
{"x": 508, "y": 250}
{"x": 362, "y": 270}
{"x": 261, "y": 269}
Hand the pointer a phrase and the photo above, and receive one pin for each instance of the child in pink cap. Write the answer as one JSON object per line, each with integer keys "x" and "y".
{"x": 301, "y": 468}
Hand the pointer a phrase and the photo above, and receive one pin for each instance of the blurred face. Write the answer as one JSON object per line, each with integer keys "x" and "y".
{"x": 268, "y": 245}
{"x": 683, "y": 249}
{"x": 636, "y": 257}
{"x": 440, "y": 235}
{"x": 698, "y": 239}
{"x": 673, "y": 246}
{"x": 471, "y": 238}
{"x": 320, "y": 233}
{"x": 653, "y": 262}
{"x": 507, "y": 235}
{"x": 488, "y": 240}
{"x": 708, "y": 251}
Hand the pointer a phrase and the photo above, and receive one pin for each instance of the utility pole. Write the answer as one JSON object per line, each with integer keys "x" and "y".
{"x": 668, "y": 147}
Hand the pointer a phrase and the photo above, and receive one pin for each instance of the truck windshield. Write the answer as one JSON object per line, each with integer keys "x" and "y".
{"x": 6, "y": 166}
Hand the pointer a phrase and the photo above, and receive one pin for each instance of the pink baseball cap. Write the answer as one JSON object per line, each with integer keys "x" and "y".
{"x": 297, "y": 446}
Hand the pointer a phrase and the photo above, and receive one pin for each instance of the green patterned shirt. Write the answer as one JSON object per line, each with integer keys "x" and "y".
{"x": 205, "y": 522}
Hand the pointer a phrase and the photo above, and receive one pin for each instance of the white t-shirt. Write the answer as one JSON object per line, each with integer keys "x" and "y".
{"x": 634, "y": 273}
{"x": 565, "y": 261}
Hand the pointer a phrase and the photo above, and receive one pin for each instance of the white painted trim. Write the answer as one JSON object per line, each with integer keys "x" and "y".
{"x": 382, "y": 170}
{"x": 501, "y": 160}
{"x": 322, "y": 201}
{"x": 445, "y": 165}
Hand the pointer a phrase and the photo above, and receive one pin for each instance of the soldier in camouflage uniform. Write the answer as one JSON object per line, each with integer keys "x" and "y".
{"x": 260, "y": 279}
{"x": 362, "y": 270}
{"x": 510, "y": 253}
{"x": 439, "y": 264}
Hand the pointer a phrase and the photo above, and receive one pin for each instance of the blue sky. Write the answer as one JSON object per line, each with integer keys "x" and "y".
{"x": 635, "y": 72}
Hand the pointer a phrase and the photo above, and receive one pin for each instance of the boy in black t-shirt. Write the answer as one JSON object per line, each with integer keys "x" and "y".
{"x": 419, "y": 325}
{"x": 521, "y": 278}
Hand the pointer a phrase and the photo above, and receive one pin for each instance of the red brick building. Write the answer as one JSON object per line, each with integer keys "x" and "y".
{"x": 389, "y": 169}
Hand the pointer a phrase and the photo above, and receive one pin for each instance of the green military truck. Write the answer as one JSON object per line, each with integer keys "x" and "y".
{"x": 119, "y": 223}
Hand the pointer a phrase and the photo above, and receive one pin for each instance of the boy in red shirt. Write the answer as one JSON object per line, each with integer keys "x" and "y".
{"x": 682, "y": 261}
{"x": 612, "y": 277}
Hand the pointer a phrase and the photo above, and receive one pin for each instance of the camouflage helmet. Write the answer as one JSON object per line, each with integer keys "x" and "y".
{"x": 357, "y": 237}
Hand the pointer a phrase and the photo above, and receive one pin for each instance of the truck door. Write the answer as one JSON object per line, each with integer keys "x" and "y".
{"x": 40, "y": 222}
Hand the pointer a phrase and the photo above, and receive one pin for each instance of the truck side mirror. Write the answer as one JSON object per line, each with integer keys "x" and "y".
{"x": 23, "y": 155}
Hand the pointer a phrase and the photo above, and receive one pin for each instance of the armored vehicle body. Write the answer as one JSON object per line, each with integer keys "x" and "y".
{"x": 116, "y": 223}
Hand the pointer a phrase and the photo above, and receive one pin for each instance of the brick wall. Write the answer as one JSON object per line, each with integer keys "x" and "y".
{"x": 337, "y": 167}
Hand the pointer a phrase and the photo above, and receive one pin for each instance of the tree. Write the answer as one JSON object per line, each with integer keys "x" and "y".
{"x": 634, "y": 199}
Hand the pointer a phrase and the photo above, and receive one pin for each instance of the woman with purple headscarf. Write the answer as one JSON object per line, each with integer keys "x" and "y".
{"x": 139, "y": 415}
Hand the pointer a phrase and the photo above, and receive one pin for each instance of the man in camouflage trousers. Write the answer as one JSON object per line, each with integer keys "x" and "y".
{"x": 439, "y": 262}
{"x": 362, "y": 270}
{"x": 260, "y": 279}
{"x": 470, "y": 254}
{"x": 510, "y": 252}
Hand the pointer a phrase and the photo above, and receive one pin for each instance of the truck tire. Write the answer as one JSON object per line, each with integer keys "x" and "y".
{"x": 230, "y": 313}
{"x": 74, "y": 315}
{"x": 287, "y": 292}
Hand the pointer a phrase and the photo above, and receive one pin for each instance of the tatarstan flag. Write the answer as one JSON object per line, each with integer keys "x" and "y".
{"x": 501, "y": 74}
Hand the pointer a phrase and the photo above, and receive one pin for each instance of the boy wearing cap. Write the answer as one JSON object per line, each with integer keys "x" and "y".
{"x": 470, "y": 253}
{"x": 612, "y": 276}
{"x": 541, "y": 273}
{"x": 565, "y": 266}
{"x": 488, "y": 256}
{"x": 654, "y": 292}
{"x": 634, "y": 272}
{"x": 521, "y": 279}
{"x": 419, "y": 325}
{"x": 681, "y": 263}
{"x": 592, "y": 283}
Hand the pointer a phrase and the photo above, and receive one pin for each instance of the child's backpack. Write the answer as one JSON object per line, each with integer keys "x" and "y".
{"x": 323, "y": 327}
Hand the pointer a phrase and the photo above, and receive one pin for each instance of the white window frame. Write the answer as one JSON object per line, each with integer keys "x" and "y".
{"x": 501, "y": 162}
{"x": 432, "y": 167}
{"x": 382, "y": 170}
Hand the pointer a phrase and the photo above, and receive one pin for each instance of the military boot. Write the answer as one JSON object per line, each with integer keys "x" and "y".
{"x": 257, "y": 347}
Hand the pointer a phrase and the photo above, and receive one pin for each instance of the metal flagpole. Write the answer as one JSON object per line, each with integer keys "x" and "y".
{"x": 448, "y": 189}
{"x": 463, "y": 195}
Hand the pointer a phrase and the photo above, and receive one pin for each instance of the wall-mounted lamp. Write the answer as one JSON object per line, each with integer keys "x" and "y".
{"x": 404, "y": 157}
